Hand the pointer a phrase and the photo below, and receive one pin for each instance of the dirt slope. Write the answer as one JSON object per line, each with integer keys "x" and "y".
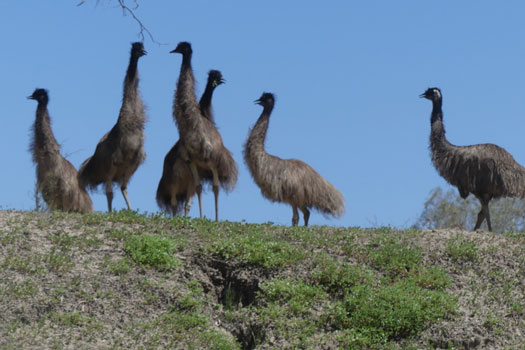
{"x": 71, "y": 281}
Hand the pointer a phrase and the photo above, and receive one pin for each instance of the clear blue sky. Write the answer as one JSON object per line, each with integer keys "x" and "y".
{"x": 347, "y": 76}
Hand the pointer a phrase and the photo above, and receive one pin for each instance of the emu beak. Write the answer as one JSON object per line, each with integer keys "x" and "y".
{"x": 257, "y": 101}
{"x": 174, "y": 51}
{"x": 222, "y": 81}
{"x": 144, "y": 52}
{"x": 29, "y": 97}
{"x": 422, "y": 95}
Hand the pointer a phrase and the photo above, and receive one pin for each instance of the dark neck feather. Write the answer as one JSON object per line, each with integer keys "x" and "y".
{"x": 131, "y": 81}
{"x": 44, "y": 142}
{"x": 186, "y": 59}
{"x": 131, "y": 116}
{"x": 205, "y": 102}
{"x": 438, "y": 141}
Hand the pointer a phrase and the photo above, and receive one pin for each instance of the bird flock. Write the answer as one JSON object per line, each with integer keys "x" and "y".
{"x": 199, "y": 157}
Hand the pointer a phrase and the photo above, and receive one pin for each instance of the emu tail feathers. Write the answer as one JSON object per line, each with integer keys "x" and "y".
{"x": 227, "y": 169}
{"x": 328, "y": 200}
{"x": 90, "y": 174}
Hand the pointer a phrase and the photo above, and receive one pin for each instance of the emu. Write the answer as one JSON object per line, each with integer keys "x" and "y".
{"x": 176, "y": 187}
{"x": 203, "y": 148}
{"x": 288, "y": 180}
{"x": 120, "y": 152}
{"x": 485, "y": 170}
{"x": 56, "y": 176}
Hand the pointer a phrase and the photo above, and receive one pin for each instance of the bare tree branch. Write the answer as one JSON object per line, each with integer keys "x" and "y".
{"x": 131, "y": 11}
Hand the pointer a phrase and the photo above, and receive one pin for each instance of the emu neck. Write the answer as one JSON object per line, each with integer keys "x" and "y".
{"x": 438, "y": 141}
{"x": 131, "y": 81}
{"x": 132, "y": 111}
{"x": 44, "y": 143}
{"x": 186, "y": 109}
{"x": 186, "y": 60}
{"x": 258, "y": 134}
{"x": 205, "y": 102}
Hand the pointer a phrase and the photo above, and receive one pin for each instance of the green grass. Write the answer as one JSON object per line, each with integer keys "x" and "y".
{"x": 20, "y": 290}
{"x": 460, "y": 249}
{"x": 153, "y": 251}
{"x": 189, "y": 328}
{"x": 258, "y": 249}
{"x": 119, "y": 267}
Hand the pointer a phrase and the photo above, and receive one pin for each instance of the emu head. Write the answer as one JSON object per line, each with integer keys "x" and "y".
{"x": 215, "y": 78}
{"x": 183, "y": 48}
{"x": 266, "y": 100}
{"x": 40, "y": 95}
{"x": 137, "y": 49}
{"x": 432, "y": 94}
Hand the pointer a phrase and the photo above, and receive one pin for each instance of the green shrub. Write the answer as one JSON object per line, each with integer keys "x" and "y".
{"x": 395, "y": 258}
{"x": 432, "y": 278}
{"x": 394, "y": 310}
{"x": 337, "y": 276}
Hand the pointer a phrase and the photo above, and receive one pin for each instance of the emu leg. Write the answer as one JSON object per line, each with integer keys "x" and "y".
{"x": 306, "y": 215}
{"x": 124, "y": 190}
{"x": 295, "y": 217}
{"x": 198, "y": 186}
{"x": 173, "y": 210}
{"x": 173, "y": 206}
{"x": 481, "y": 217}
{"x": 216, "y": 191}
{"x": 109, "y": 194}
{"x": 487, "y": 216}
{"x": 187, "y": 206}
{"x": 483, "y": 214}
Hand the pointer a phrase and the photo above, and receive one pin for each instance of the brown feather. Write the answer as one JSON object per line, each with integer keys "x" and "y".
{"x": 176, "y": 186}
{"x": 120, "y": 152}
{"x": 56, "y": 176}
{"x": 485, "y": 170}
{"x": 200, "y": 138}
{"x": 288, "y": 180}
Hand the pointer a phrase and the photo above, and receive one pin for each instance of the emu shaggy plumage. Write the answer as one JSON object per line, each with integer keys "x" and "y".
{"x": 485, "y": 170}
{"x": 176, "y": 186}
{"x": 288, "y": 180}
{"x": 56, "y": 176}
{"x": 120, "y": 152}
{"x": 203, "y": 148}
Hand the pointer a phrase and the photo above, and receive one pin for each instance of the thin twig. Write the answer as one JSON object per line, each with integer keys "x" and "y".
{"x": 126, "y": 9}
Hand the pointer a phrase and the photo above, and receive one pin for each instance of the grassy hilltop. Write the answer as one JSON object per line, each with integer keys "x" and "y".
{"x": 131, "y": 281}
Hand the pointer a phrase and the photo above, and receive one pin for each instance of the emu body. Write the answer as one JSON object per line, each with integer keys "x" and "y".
{"x": 56, "y": 176}
{"x": 485, "y": 170}
{"x": 288, "y": 181}
{"x": 120, "y": 152}
{"x": 202, "y": 144}
{"x": 176, "y": 186}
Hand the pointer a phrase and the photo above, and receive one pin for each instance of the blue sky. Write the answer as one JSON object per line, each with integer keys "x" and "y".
{"x": 347, "y": 76}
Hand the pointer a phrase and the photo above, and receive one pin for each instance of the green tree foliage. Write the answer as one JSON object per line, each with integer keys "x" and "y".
{"x": 446, "y": 209}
